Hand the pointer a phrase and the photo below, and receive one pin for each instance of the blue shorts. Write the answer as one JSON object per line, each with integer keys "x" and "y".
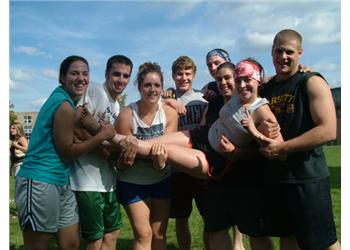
{"x": 131, "y": 193}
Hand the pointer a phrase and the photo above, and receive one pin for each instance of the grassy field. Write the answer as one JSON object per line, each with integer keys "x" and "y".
{"x": 196, "y": 224}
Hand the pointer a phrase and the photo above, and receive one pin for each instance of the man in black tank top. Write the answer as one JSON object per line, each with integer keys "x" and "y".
{"x": 303, "y": 105}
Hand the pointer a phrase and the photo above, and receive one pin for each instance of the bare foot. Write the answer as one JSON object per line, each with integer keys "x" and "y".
{"x": 159, "y": 156}
{"x": 89, "y": 123}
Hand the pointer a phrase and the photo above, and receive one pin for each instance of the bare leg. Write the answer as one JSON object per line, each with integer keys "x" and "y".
{"x": 91, "y": 125}
{"x": 261, "y": 243}
{"x": 36, "y": 240}
{"x": 179, "y": 138}
{"x": 237, "y": 239}
{"x": 110, "y": 240}
{"x": 139, "y": 215}
{"x": 220, "y": 240}
{"x": 335, "y": 246}
{"x": 183, "y": 234}
{"x": 288, "y": 243}
{"x": 94, "y": 245}
{"x": 88, "y": 122}
{"x": 160, "y": 213}
{"x": 68, "y": 237}
{"x": 188, "y": 160}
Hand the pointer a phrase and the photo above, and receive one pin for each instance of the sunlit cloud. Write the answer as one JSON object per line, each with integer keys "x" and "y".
{"x": 21, "y": 75}
{"x": 50, "y": 73}
{"x": 30, "y": 51}
{"x": 38, "y": 103}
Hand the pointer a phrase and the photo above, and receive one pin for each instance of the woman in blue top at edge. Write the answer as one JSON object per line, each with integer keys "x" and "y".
{"x": 46, "y": 205}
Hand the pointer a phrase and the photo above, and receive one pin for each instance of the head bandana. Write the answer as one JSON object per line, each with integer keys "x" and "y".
{"x": 249, "y": 69}
{"x": 219, "y": 52}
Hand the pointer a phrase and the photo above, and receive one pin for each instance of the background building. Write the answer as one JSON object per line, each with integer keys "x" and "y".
{"x": 27, "y": 119}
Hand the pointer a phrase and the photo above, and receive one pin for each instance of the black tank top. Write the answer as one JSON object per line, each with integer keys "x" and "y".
{"x": 214, "y": 105}
{"x": 290, "y": 103}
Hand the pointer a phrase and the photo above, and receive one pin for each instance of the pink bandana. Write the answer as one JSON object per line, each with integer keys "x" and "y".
{"x": 249, "y": 69}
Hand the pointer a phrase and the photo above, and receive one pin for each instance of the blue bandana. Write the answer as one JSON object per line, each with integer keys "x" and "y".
{"x": 219, "y": 52}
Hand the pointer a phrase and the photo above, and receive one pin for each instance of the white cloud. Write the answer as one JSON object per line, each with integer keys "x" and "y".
{"x": 325, "y": 65}
{"x": 318, "y": 23}
{"x": 50, "y": 73}
{"x": 21, "y": 75}
{"x": 324, "y": 28}
{"x": 38, "y": 103}
{"x": 12, "y": 84}
{"x": 182, "y": 8}
{"x": 257, "y": 39}
{"x": 30, "y": 51}
{"x": 18, "y": 77}
{"x": 173, "y": 8}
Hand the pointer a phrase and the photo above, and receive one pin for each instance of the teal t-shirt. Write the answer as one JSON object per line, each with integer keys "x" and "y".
{"x": 42, "y": 162}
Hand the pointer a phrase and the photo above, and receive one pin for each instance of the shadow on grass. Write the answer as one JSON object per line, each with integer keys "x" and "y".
{"x": 13, "y": 211}
{"x": 126, "y": 244}
{"x": 13, "y": 247}
{"x": 334, "y": 175}
{"x": 123, "y": 244}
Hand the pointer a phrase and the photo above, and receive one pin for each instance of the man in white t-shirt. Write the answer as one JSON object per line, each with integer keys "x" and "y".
{"x": 185, "y": 188}
{"x": 93, "y": 177}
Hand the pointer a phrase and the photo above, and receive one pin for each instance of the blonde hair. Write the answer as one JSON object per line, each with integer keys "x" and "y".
{"x": 183, "y": 63}
{"x": 20, "y": 131}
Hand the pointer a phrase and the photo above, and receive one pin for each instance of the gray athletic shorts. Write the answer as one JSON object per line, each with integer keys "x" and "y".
{"x": 44, "y": 207}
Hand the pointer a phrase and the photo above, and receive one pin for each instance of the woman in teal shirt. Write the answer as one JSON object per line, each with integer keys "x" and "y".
{"x": 46, "y": 205}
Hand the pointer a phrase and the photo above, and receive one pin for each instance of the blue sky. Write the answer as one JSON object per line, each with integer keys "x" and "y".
{"x": 43, "y": 33}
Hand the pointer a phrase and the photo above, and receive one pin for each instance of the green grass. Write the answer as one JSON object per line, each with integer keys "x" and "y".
{"x": 196, "y": 224}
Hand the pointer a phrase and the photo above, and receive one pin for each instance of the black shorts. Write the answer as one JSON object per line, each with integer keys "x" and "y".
{"x": 236, "y": 199}
{"x": 228, "y": 206}
{"x": 217, "y": 162}
{"x": 185, "y": 188}
{"x": 302, "y": 210}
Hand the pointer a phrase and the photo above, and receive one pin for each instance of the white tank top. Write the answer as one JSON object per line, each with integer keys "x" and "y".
{"x": 229, "y": 123}
{"x": 142, "y": 172}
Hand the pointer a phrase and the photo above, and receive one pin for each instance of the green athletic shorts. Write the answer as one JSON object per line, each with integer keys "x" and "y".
{"x": 99, "y": 213}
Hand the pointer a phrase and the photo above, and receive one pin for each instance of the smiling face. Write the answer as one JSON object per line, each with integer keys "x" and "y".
{"x": 226, "y": 82}
{"x": 213, "y": 63}
{"x": 285, "y": 56}
{"x": 248, "y": 75}
{"x": 151, "y": 88}
{"x": 117, "y": 78}
{"x": 183, "y": 79}
{"x": 246, "y": 88}
{"x": 76, "y": 80}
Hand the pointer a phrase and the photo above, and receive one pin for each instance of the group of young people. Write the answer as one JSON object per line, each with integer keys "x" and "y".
{"x": 250, "y": 154}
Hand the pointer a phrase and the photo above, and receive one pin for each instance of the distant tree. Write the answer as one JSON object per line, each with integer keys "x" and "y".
{"x": 13, "y": 116}
{"x": 122, "y": 100}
